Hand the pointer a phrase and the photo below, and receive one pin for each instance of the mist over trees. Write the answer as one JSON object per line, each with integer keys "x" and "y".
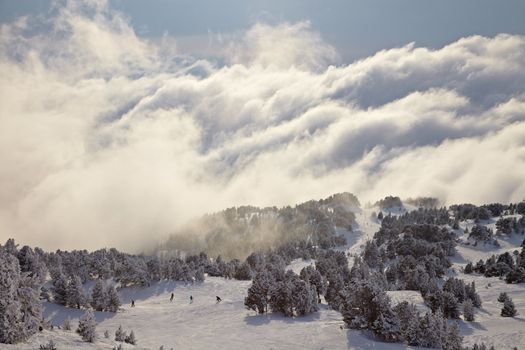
{"x": 236, "y": 232}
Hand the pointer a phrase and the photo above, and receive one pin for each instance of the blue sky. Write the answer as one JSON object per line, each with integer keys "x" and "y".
{"x": 356, "y": 28}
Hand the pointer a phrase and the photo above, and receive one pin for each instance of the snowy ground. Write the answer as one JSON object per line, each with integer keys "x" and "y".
{"x": 204, "y": 324}
{"x": 490, "y": 327}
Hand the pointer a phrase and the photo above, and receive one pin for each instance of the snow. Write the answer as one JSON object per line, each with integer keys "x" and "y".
{"x": 410, "y": 296}
{"x": 298, "y": 264}
{"x": 205, "y": 324}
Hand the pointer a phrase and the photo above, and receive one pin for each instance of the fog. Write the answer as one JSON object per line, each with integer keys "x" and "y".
{"x": 110, "y": 139}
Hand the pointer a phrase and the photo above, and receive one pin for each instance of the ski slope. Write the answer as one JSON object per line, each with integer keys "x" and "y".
{"x": 205, "y": 324}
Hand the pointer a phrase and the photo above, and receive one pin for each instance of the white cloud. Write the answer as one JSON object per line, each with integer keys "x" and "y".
{"x": 108, "y": 139}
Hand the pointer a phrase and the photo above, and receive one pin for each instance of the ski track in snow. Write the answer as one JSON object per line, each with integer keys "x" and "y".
{"x": 205, "y": 324}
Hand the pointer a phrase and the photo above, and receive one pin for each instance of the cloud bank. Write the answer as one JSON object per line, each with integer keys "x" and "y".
{"x": 107, "y": 139}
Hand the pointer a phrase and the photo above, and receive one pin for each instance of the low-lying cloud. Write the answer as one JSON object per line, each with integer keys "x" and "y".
{"x": 108, "y": 139}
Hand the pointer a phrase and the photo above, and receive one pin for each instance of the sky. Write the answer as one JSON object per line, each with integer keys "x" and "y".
{"x": 356, "y": 28}
{"x": 121, "y": 121}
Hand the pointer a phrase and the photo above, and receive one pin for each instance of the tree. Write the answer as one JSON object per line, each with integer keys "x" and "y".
{"x": 452, "y": 339}
{"x": 87, "y": 327}
{"x": 75, "y": 293}
{"x": 508, "y": 310}
{"x": 120, "y": 335}
{"x": 430, "y": 330}
{"x": 408, "y": 321}
{"x": 468, "y": 268}
{"x": 99, "y": 296}
{"x": 130, "y": 339}
{"x": 60, "y": 289}
{"x": 282, "y": 295}
{"x": 314, "y": 277}
{"x": 11, "y": 326}
{"x": 470, "y": 291}
{"x": 468, "y": 310}
{"x": 113, "y": 299}
{"x": 305, "y": 297}
{"x": 450, "y": 305}
{"x": 259, "y": 292}
{"x": 30, "y": 305}
{"x": 502, "y": 297}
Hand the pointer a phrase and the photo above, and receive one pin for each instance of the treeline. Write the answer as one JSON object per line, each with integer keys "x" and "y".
{"x": 236, "y": 232}
{"x": 511, "y": 266}
{"x": 463, "y": 212}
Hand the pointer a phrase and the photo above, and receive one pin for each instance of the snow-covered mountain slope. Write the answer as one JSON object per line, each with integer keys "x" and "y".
{"x": 205, "y": 324}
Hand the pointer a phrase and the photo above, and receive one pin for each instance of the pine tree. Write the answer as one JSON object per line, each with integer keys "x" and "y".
{"x": 87, "y": 327}
{"x": 75, "y": 293}
{"x": 259, "y": 292}
{"x": 502, "y": 297}
{"x": 430, "y": 330}
{"x": 468, "y": 310}
{"x": 106, "y": 334}
{"x": 450, "y": 305}
{"x": 282, "y": 297}
{"x": 30, "y": 304}
{"x": 452, "y": 339}
{"x": 113, "y": 299}
{"x": 508, "y": 310}
{"x": 60, "y": 289}
{"x": 120, "y": 335}
{"x": 408, "y": 321}
{"x": 304, "y": 297}
{"x": 99, "y": 297}
{"x": 130, "y": 339}
{"x": 11, "y": 326}
{"x": 469, "y": 268}
{"x": 471, "y": 294}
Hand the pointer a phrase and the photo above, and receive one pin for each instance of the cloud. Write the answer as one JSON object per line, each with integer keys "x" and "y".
{"x": 108, "y": 139}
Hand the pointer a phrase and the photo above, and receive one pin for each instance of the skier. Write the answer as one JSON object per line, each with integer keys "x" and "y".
{"x": 132, "y": 303}
{"x": 218, "y": 299}
{"x": 171, "y": 298}
{"x": 191, "y": 299}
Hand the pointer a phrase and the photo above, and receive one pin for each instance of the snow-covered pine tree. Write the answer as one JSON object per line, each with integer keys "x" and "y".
{"x": 106, "y": 334}
{"x": 450, "y": 305}
{"x": 130, "y": 339}
{"x": 508, "y": 310}
{"x": 282, "y": 297}
{"x": 11, "y": 326}
{"x": 468, "y": 310}
{"x": 75, "y": 293}
{"x": 408, "y": 317}
{"x": 305, "y": 297}
{"x": 502, "y": 297}
{"x": 470, "y": 290}
{"x": 430, "y": 331}
{"x": 259, "y": 292}
{"x": 60, "y": 289}
{"x": 113, "y": 299}
{"x": 386, "y": 326}
{"x": 99, "y": 296}
{"x": 315, "y": 278}
{"x": 87, "y": 327}
{"x": 452, "y": 339}
{"x": 30, "y": 304}
{"x": 120, "y": 335}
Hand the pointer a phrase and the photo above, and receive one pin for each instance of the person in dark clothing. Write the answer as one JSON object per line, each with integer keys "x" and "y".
{"x": 132, "y": 303}
{"x": 171, "y": 298}
{"x": 218, "y": 299}
{"x": 191, "y": 299}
